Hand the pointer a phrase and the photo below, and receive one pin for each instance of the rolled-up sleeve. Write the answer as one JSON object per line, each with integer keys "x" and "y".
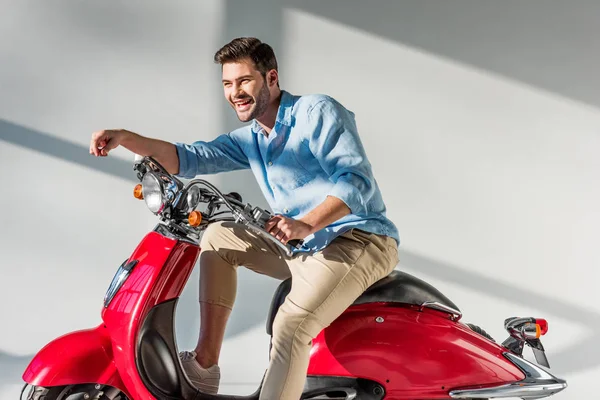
{"x": 220, "y": 155}
{"x": 336, "y": 145}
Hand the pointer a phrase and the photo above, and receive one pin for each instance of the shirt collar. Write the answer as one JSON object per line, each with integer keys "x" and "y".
{"x": 284, "y": 113}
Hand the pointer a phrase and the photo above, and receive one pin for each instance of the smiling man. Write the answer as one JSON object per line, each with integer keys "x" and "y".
{"x": 307, "y": 157}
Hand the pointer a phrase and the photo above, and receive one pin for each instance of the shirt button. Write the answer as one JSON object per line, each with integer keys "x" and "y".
{"x": 270, "y": 163}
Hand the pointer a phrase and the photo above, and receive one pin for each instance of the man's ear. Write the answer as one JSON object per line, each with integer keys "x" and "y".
{"x": 272, "y": 77}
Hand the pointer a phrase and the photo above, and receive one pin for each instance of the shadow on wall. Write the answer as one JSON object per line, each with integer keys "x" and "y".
{"x": 12, "y": 367}
{"x": 254, "y": 296}
{"x": 538, "y": 42}
{"x": 63, "y": 149}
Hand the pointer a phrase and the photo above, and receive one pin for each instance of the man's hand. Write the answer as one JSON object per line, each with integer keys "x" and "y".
{"x": 104, "y": 141}
{"x": 286, "y": 229}
{"x": 163, "y": 152}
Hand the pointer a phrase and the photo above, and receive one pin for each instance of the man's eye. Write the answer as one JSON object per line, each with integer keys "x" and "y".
{"x": 245, "y": 81}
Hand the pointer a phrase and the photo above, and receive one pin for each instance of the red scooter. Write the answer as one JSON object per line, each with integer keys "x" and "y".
{"x": 402, "y": 339}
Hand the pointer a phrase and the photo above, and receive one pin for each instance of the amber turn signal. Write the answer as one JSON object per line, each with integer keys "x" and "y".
{"x": 541, "y": 327}
{"x": 195, "y": 218}
{"x": 137, "y": 192}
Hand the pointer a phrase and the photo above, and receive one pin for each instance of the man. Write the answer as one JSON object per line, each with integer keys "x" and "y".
{"x": 307, "y": 157}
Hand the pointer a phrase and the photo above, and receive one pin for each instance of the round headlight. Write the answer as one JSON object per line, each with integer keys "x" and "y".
{"x": 193, "y": 198}
{"x": 153, "y": 193}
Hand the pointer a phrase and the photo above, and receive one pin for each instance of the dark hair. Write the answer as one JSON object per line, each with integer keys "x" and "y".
{"x": 260, "y": 53}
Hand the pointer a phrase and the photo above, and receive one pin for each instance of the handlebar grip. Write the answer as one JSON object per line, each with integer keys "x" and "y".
{"x": 296, "y": 243}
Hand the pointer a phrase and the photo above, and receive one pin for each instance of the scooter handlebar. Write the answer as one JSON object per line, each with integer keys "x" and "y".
{"x": 253, "y": 218}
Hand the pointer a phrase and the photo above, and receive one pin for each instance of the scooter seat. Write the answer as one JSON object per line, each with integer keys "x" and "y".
{"x": 397, "y": 287}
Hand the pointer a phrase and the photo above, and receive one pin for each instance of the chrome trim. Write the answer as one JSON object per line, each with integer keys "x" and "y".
{"x": 118, "y": 280}
{"x": 441, "y": 307}
{"x": 174, "y": 231}
{"x": 530, "y": 370}
{"x": 538, "y": 384}
{"x": 521, "y": 328}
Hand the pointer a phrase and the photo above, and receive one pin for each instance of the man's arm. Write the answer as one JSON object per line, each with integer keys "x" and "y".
{"x": 186, "y": 160}
{"x": 337, "y": 147}
{"x": 164, "y": 152}
{"x": 326, "y": 213}
{"x": 222, "y": 154}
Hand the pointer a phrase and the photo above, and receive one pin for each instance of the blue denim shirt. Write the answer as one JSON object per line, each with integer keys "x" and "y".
{"x": 312, "y": 152}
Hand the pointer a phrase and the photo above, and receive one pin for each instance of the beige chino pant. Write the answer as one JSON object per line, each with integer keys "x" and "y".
{"x": 324, "y": 284}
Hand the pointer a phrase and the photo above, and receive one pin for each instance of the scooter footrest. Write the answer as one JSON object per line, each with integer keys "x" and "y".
{"x": 341, "y": 387}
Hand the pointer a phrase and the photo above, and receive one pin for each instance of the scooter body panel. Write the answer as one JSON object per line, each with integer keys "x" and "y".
{"x": 151, "y": 282}
{"x": 91, "y": 355}
{"x": 414, "y": 354}
{"x": 83, "y": 356}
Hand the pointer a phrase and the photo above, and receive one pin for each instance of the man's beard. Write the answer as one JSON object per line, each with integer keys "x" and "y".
{"x": 261, "y": 103}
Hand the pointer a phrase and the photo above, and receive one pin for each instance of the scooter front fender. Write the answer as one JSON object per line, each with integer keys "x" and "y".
{"x": 78, "y": 357}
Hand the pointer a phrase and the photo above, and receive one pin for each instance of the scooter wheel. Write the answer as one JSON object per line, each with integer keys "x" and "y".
{"x": 53, "y": 393}
{"x": 73, "y": 392}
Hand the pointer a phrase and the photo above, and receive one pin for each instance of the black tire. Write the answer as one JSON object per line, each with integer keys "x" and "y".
{"x": 74, "y": 392}
{"x": 480, "y": 331}
{"x": 53, "y": 393}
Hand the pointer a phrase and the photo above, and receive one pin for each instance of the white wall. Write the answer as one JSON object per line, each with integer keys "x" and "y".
{"x": 481, "y": 121}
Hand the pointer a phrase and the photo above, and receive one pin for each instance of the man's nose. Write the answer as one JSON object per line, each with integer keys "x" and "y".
{"x": 237, "y": 90}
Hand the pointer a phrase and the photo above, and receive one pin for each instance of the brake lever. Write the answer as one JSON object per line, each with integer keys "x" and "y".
{"x": 255, "y": 220}
{"x": 261, "y": 217}
{"x": 259, "y": 230}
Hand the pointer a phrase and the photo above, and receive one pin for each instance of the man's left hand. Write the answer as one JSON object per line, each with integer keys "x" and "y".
{"x": 286, "y": 229}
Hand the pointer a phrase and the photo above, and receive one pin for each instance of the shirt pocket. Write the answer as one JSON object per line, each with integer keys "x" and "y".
{"x": 292, "y": 174}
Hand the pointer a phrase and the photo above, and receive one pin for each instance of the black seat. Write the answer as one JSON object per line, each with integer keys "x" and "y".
{"x": 397, "y": 287}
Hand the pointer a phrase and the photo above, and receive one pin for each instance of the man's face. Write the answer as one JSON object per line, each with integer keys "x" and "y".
{"x": 245, "y": 89}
